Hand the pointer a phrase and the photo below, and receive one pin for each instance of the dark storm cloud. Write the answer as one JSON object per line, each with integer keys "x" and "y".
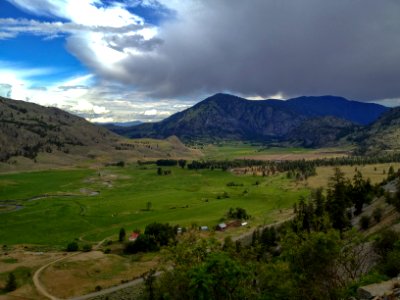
{"x": 261, "y": 47}
{"x": 119, "y": 42}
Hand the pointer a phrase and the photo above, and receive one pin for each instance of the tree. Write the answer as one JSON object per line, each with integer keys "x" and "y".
{"x": 143, "y": 243}
{"x": 182, "y": 163}
{"x": 361, "y": 192}
{"x": 365, "y": 222}
{"x": 312, "y": 264}
{"x": 11, "y": 284}
{"x": 338, "y": 200}
{"x": 149, "y": 280}
{"x": 159, "y": 171}
{"x": 377, "y": 214}
{"x": 122, "y": 235}
{"x": 163, "y": 233}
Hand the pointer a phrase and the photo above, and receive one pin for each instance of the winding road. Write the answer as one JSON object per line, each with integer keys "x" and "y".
{"x": 42, "y": 290}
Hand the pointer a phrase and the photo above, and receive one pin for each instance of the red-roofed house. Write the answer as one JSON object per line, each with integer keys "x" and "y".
{"x": 133, "y": 236}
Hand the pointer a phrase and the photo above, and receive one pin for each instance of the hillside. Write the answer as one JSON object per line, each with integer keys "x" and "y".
{"x": 227, "y": 117}
{"x": 382, "y": 135}
{"x": 321, "y": 132}
{"x": 49, "y": 134}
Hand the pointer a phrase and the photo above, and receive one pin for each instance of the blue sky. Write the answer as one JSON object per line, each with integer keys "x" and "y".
{"x": 125, "y": 60}
{"x": 37, "y": 65}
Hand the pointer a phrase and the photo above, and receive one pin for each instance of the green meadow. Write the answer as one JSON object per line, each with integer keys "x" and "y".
{"x": 91, "y": 205}
{"x": 232, "y": 150}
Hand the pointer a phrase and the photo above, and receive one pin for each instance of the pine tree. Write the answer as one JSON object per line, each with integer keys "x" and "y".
{"x": 122, "y": 235}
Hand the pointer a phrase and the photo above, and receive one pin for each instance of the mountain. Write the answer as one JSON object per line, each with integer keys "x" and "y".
{"x": 229, "y": 117}
{"x": 381, "y": 136}
{"x": 53, "y": 135}
{"x": 357, "y": 112}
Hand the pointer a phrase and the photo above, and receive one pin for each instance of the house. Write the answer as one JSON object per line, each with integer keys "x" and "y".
{"x": 221, "y": 226}
{"x": 243, "y": 223}
{"x": 204, "y": 228}
{"x": 133, "y": 236}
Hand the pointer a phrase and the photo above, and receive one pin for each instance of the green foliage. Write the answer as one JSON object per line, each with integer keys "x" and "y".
{"x": 391, "y": 265}
{"x": 365, "y": 222}
{"x": 155, "y": 236}
{"x": 87, "y": 248}
{"x": 201, "y": 272}
{"x": 338, "y": 200}
{"x": 149, "y": 282}
{"x": 238, "y": 213}
{"x": 219, "y": 277}
{"x": 72, "y": 247}
{"x": 166, "y": 162}
{"x": 312, "y": 264}
{"x": 122, "y": 235}
{"x": 361, "y": 192}
{"x": 377, "y": 214}
{"x": 163, "y": 233}
{"x": 143, "y": 243}
{"x": 385, "y": 242}
{"x": 269, "y": 237}
{"x": 11, "y": 284}
{"x": 182, "y": 163}
{"x": 159, "y": 171}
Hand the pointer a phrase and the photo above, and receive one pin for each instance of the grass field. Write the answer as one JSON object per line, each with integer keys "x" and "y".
{"x": 238, "y": 150}
{"x": 92, "y": 205}
{"x": 232, "y": 150}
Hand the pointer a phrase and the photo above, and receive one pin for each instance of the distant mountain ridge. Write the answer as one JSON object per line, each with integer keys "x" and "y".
{"x": 228, "y": 117}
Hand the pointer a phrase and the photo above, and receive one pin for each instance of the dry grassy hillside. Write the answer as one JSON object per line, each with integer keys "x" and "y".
{"x": 31, "y": 135}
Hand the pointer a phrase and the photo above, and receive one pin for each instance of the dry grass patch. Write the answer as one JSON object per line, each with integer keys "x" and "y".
{"x": 82, "y": 273}
{"x": 376, "y": 173}
{"x": 317, "y": 154}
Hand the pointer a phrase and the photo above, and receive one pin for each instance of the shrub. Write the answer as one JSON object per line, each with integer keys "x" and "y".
{"x": 122, "y": 235}
{"x": 392, "y": 265}
{"x": 98, "y": 288}
{"x": 377, "y": 214}
{"x": 238, "y": 213}
{"x": 364, "y": 222}
{"x": 144, "y": 243}
{"x": 72, "y": 247}
{"x": 87, "y": 248}
{"x": 385, "y": 243}
{"x": 11, "y": 284}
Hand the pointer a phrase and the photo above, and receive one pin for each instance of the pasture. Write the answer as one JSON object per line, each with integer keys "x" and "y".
{"x": 56, "y": 207}
{"x": 248, "y": 150}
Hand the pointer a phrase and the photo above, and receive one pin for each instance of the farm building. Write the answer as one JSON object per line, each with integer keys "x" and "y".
{"x": 221, "y": 226}
{"x": 133, "y": 236}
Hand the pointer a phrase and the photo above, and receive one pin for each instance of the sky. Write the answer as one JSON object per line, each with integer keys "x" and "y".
{"x": 115, "y": 61}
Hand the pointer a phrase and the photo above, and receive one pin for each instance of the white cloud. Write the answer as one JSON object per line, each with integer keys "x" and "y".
{"x": 101, "y": 120}
{"x": 83, "y": 12}
{"x": 150, "y": 112}
{"x": 84, "y": 106}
